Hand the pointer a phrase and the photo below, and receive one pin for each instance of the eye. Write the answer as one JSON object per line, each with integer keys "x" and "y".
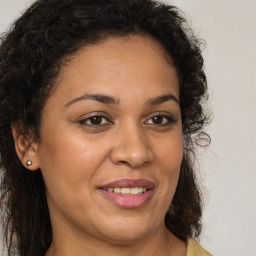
{"x": 95, "y": 121}
{"x": 160, "y": 120}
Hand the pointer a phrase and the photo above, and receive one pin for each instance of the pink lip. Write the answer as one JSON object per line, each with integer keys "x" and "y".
{"x": 129, "y": 183}
{"x": 127, "y": 201}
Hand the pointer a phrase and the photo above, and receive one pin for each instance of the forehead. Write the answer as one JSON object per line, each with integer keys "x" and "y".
{"x": 119, "y": 66}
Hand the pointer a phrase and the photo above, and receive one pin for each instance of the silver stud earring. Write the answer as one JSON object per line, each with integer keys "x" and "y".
{"x": 29, "y": 162}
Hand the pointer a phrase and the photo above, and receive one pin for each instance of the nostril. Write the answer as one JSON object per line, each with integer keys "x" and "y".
{"x": 132, "y": 151}
{"x": 134, "y": 164}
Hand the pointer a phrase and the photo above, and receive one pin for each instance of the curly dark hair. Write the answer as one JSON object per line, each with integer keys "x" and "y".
{"x": 31, "y": 55}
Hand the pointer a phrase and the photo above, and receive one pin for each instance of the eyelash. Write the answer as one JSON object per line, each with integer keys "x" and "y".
{"x": 102, "y": 117}
{"x": 168, "y": 120}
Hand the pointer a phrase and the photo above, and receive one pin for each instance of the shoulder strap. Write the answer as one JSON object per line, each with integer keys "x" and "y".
{"x": 195, "y": 249}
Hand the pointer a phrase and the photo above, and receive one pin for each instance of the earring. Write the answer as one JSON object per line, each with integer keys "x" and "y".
{"x": 29, "y": 162}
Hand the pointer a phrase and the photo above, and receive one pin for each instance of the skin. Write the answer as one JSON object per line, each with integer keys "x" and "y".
{"x": 76, "y": 157}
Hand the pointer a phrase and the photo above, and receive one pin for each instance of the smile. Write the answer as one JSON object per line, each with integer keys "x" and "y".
{"x": 128, "y": 193}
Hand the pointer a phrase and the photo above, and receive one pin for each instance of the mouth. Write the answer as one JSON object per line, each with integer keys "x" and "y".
{"x": 128, "y": 193}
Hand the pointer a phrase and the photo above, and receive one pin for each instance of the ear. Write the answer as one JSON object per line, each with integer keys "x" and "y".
{"x": 26, "y": 149}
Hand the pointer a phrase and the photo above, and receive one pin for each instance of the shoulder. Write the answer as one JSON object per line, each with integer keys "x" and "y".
{"x": 195, "y": 249}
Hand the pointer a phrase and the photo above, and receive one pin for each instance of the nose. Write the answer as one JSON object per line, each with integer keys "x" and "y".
{"x": 131, "y": 148}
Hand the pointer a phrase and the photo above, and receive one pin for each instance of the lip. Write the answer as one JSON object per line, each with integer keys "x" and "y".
{"x": 128, "y": 201}
{"x": 129, "y": 183}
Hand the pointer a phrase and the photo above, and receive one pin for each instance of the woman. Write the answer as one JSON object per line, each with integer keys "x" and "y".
{"x": 101, "y": 102}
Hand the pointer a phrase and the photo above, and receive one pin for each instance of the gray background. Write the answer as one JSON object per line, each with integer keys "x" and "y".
{"x": 227, "y": 168}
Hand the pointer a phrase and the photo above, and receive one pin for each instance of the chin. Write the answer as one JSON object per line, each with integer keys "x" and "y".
{"x": 126, "y": 230}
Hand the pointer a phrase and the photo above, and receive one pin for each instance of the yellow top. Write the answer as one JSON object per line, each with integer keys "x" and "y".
{"x": 195, "y": 249}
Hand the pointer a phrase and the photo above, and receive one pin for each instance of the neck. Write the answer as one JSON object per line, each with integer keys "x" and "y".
{"x": 162, "y": 242}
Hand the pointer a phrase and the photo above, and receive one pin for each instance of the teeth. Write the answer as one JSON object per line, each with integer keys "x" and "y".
{"x": 135, "y": 191}
{"x": 128, "y": 191}
{"x": 125, "y": 191}
{"x": 117, "y": 190}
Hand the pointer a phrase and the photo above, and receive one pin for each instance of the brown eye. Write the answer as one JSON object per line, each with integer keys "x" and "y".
{"x": 160, "y": 120}
{"x": 95, "y": 121}
{"x": 157, "y": 119}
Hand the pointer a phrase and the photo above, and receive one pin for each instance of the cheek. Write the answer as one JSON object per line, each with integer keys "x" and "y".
{"x": 170, "y": 152}
{"x": 70, "y": 167}
{"x": 70, "y": 160}
{"x": 169, "y": 157}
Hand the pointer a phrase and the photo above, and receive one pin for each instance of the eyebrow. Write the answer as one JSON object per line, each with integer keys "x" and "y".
{"x": 106, "y": 99}
{"x": 98, "y": 97}
{"x": 163, "y": 98}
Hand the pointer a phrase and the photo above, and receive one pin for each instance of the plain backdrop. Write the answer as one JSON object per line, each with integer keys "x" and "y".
{"x": 228, "y": 166}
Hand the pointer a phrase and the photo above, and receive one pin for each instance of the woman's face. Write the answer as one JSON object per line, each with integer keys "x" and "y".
{"x": 111, "y": 144}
